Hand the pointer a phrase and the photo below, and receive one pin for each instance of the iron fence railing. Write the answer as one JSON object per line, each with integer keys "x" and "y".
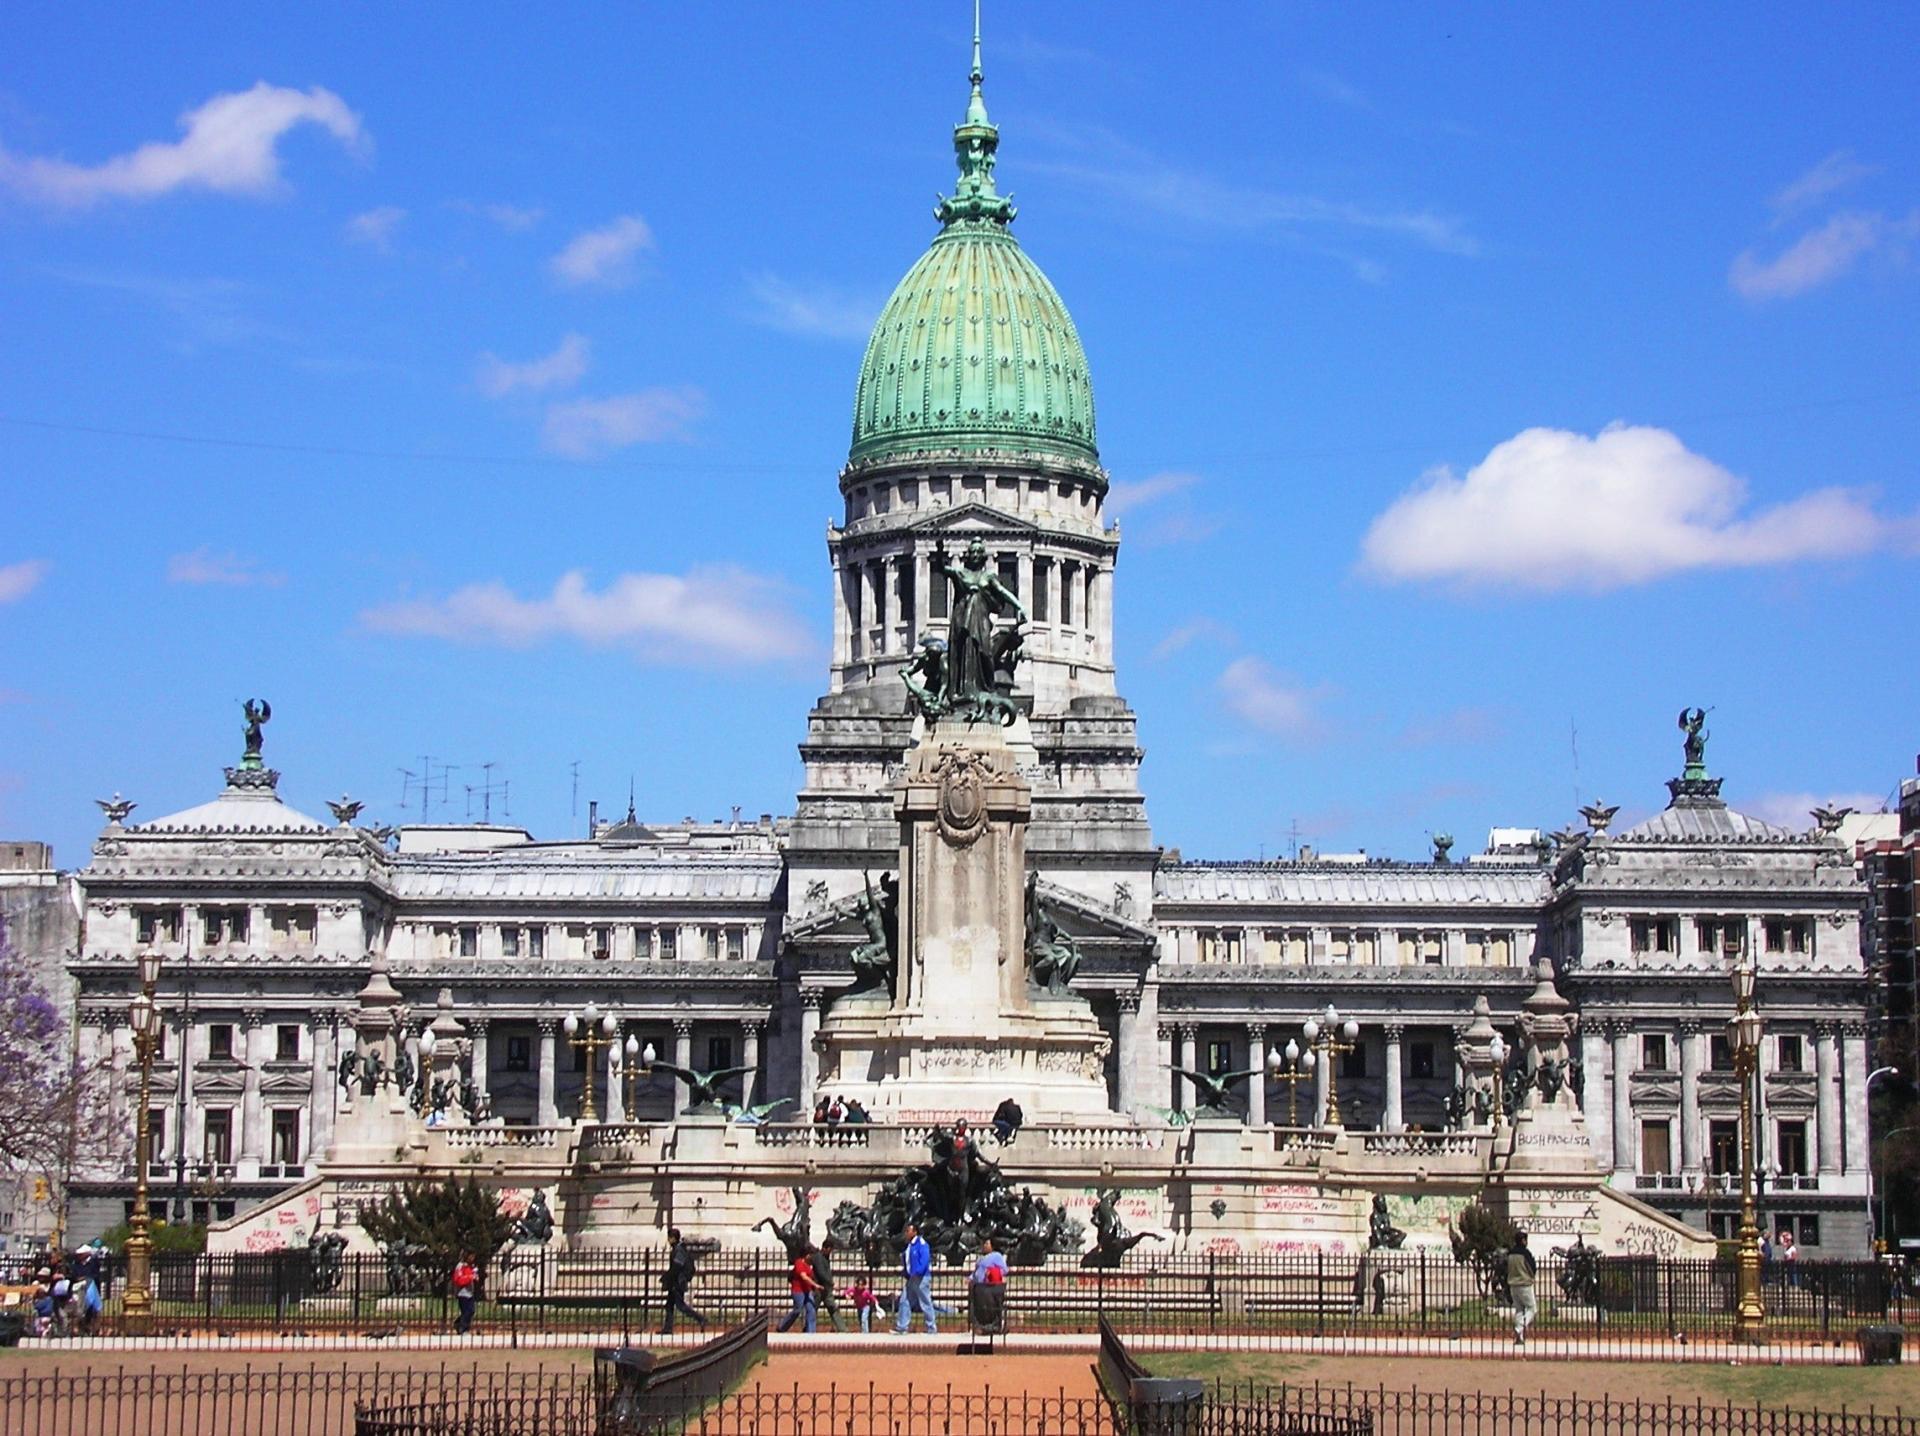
{"x": 1630, "y": 1301}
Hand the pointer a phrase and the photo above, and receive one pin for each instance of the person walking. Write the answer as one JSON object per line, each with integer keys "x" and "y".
{"x": 677, "y": 1279}
{"x": 466, "y": 1292}
{"x": 916, "y": 1269}
{"x": 822, "y": 1257}
{"x": 1520, "y": 1269}
{"x": 865, "y": 1302}
{"x": 804, "y": 1288}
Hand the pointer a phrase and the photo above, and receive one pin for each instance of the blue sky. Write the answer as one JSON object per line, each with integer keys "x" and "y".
{"x": 1480, "y": 385}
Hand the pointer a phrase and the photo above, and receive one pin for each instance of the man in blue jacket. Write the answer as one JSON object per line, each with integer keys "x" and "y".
{"x": 916, "y": 1266}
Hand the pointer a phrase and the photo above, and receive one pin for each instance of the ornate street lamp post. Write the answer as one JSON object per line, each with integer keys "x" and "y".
{"x": 1330, "y": 1038}
{"x": 1497, "y": 1050}
{"x": 1743, "y": 1034}
{"x": 590, "y": 1031}
{"x": 1291, "y": 1067}
{"x": 627, "y": 1072}
{"x": 144, "y": 1014}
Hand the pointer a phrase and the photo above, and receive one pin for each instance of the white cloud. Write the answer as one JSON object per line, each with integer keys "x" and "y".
{"x": 230, "y": 146}
{"x": 1830, "y": 176}
{"x": 1457, "y": 727}
{"x": 819, "y": 310}
{"x": 1795, "y": 810}
{"x": 375, "y": 227}
{"x": 1549, "y": 509}
{"x": 1188, "y": 634}
{"x": 203, "y": 565}
{"x": 1823, "y": 255}
{"x": 587, "y": 428}
{"x": 1116, "y": 167}
{"x": 1270, "y": 701}
{"x": 17, "y": 580}
{"x": 562, "y": 369}
{"x": 711, "y": 615}
{"x": 604, "y": 256}
{"x": 513, "y": 217}
{"x": 1125, "y": 494}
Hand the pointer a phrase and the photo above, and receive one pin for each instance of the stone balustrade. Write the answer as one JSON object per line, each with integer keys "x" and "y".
{"x": 1420, "y": 1144}
{"x": 466, "y": 1139}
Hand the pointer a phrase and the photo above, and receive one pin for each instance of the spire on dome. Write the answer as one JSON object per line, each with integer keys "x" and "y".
{"x": 975, "y": 141}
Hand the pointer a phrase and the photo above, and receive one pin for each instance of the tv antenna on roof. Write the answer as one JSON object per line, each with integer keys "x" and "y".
{"x": 484, "y": 791}
{"x": 429, "y": 784}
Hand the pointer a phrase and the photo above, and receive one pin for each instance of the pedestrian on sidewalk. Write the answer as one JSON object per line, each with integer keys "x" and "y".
{"x": 916, "y": 1270}
{"x": 804, "y": 1288}
{"x": 865, "y": 1302}
{"x": 677, "y": 1279}
{"x": 1520, "y": 1269}
{"x": 466, "y": 1292}
{"x": 822, "y": 1257}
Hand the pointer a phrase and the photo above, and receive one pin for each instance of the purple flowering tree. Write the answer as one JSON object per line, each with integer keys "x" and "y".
{"x": 45, "y": 1096}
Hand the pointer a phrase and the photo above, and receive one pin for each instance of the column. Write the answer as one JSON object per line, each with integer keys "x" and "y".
{"x": 1189, "y": 1031}
{"x": 923, "y": 581}
{"x": 682, "y": 1057}
{"x": 842, "y": 646}
{"x": 1166, "y": 1053}
{"x": 615, "y": 1103}
{"x": 809, "y": 1051}
{"x": 750, "y": 1031}
{"x": 1392, "y": 1118}
{"x": 325, "y": 1065}
{"x": 1257, "y": 1084}
{"x": 1023, "y": 564}
{"x": 882, "y": 607}
{"x": 1128, "y": 1039}
{"x": 1853, "y": 1037}
{"x": 477, "y": 1029}
{"x": 259, "y": 933}
{"x": 251, "y": 1031}
{"x": 1826, "y": 1063}
{"x": 1691, "y": 1039}
{"x": 549, "y": 1111}
{"x": 1322, "y": 1064}
{"x": 1621, "y": 1031}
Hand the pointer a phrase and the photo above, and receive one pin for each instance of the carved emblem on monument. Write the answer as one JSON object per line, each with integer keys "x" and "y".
{"x": 962, "y": 811}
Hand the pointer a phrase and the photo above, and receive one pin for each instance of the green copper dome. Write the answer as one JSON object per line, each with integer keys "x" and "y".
{"x": 975, "y": 350}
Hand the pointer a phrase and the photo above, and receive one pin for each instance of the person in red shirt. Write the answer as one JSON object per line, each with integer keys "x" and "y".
{"x": 466, "y": 1290}
{"x": 805, "y": 1289}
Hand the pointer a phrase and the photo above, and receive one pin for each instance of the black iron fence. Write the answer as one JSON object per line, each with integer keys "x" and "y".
{"x": 1425, "y": 1294}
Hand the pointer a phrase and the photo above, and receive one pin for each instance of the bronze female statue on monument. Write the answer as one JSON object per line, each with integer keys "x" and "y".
{"x": 974, "y": 650}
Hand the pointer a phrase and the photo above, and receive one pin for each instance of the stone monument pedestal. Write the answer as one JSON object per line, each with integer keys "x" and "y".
{"x": 965, "y": 1026}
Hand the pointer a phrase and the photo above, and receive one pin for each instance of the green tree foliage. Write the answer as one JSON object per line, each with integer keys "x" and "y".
{"x": 167, "y": 1237}
{"x": 437, "y": 1221}
{"x": 1482, "y": 1239}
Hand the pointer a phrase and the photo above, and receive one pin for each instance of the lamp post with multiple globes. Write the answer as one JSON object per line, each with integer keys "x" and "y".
{"x": 591, "y": 1031}
{"x": 1497, "y": 1050}
{"x": 628, "y": 1072}
{"x": 1291, "y": 1067}
{"x": 144, "y": 1015}
{"x": 1743, "y": 1035}
{"x": 1329, "y": 1037}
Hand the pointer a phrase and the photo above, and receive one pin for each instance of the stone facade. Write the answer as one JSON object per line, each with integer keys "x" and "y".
{"x": 722, "y": 945}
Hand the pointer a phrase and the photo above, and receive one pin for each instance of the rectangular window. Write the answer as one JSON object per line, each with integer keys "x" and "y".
{"x": 158, "y": 924}
{"x": 220, "y": 1042}
{"x": 286, "y": 1042}
{"x": 1654, "y": 934}
{"x": 469, "y": 942}
{"x": 719, "y": 1053}
{"x": 710, "y": 943}
{"x": 1340, "y": 946}
{"x": 1790, "y": 1053}
{"x": 1008, "y": 568}
{"x": 509, "y": 942}
{"x": 1719, "y": 1052}
{"x": 602, "y": 944}
{"x": 1653, "y": 1052}
{"x": 1219, "y": 1058}
{"x": 736, "y": 944}
{"x": 1069, "y": 573}
{"x": 1420, "y": 1059}
{"x": 1656, "y": 1147}
{"x": 519, "y": 1054}
{"x": 1790, "y": 1148}
{"x": 1042, "y": 583}
{"x": 907, "y": 594}
{"x": 217, "y": 1149}
{"x": 1786, "y": 934}
{"x": 284, "y": 1148}
{"x": 669, "y": 944}
{"x": 536, "y": 942}
{"x": 1710, "y": 932}
{"x": 936, "y": 597}
{"x": 1723, "y": 1148}
{"x": 156, "y": 1136}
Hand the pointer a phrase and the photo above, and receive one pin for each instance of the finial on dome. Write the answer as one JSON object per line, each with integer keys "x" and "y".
{"x": 974, "y": 142}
